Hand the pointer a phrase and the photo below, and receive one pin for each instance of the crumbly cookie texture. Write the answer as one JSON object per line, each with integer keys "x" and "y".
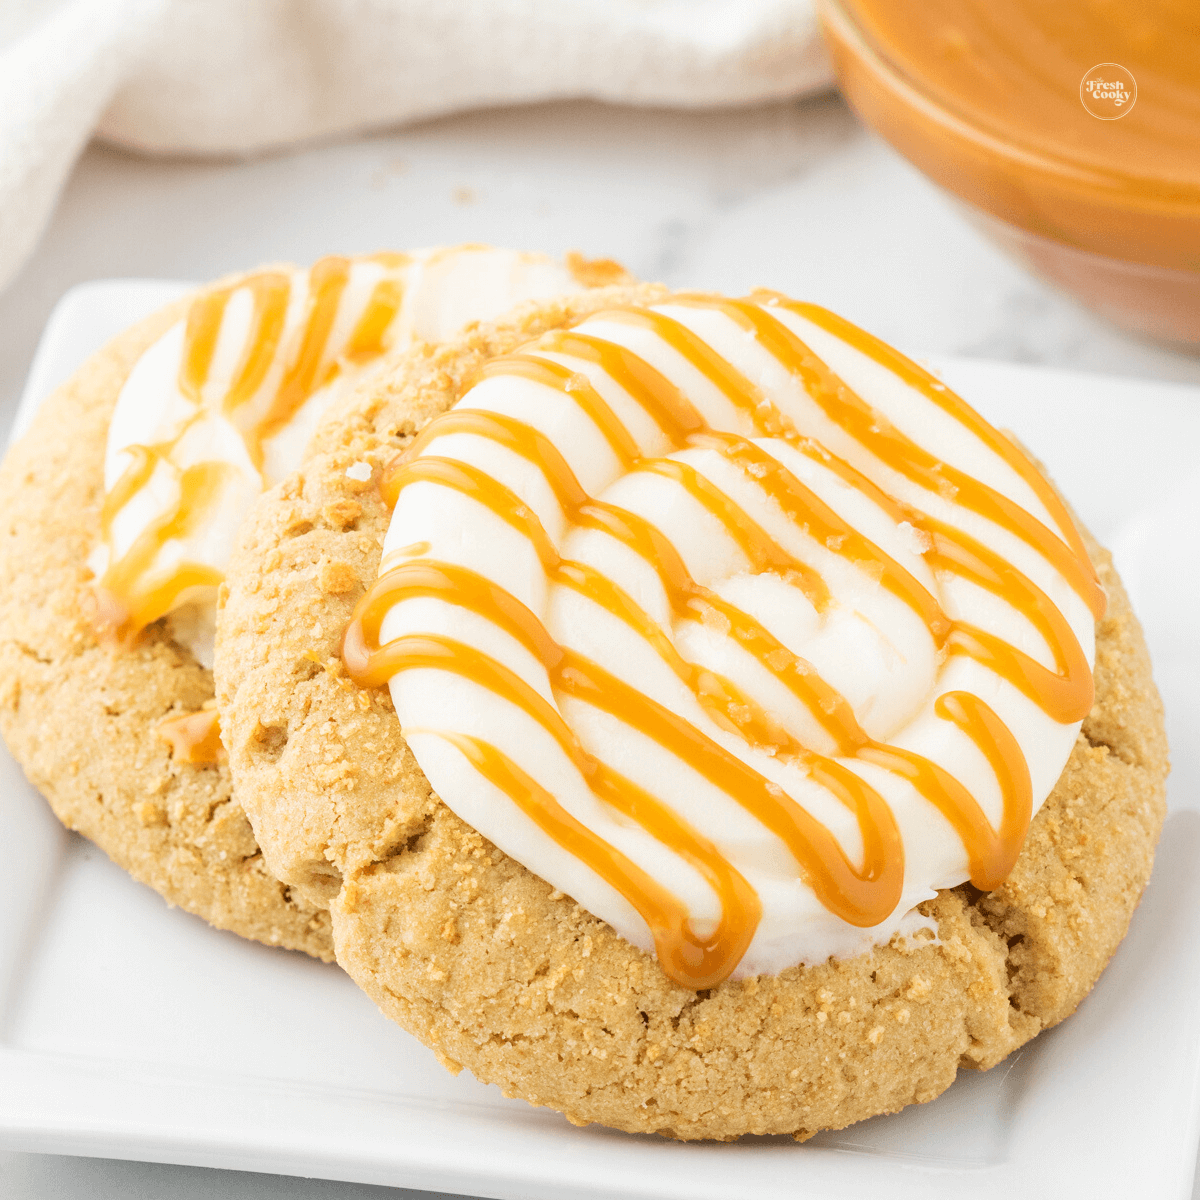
{"x": 480, "y": 959}
{"x": 81, "y": 717}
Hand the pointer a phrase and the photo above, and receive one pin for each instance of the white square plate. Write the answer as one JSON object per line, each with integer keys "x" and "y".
{"x": 131, "y": 1030}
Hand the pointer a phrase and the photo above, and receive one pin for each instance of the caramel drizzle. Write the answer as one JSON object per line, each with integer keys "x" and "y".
{"x": 719, "y": 697}
{"x": 933, "y": 389}
{"x": 683, "y": 953}
{"x": 194, "y": 737}
{"x": 863, "y": 897}
{"x": 1066, "y": 694}
{"x": 764, "y": 553}
{"x": 129, "y": 598}
{"x": 367, "y": 340}
{"x": 270, "y": 291}
{"x": 702, "y": 959}
{"x": 326, "y": 282}
{"x": 872, "y": 430}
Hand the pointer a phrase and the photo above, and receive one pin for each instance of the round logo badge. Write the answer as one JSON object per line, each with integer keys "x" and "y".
{"x": 1108, "y": 91}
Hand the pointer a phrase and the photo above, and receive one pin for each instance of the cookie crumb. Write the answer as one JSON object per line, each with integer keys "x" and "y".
{"x": 918, "y": 989}
{"x": 298, "y": 523}
{"x": 151, "y": 815}
{"x": 341, "y": 514}
{"x": 336, "y": 578}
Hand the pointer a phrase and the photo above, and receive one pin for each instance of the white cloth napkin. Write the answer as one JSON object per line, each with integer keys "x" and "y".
{"x": 244, "y": 76}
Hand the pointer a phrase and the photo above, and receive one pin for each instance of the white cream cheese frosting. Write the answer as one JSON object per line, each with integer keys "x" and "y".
{"x": 223, "y": 404}
{"x": 724, "y": 609}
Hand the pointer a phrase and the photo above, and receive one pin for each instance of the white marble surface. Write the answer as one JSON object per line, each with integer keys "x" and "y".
{"x": 796, "y": 196}
{"x": 793, "y": 196}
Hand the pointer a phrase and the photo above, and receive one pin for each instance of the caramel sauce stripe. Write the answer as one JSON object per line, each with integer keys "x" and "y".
{"x": 133, "y": 593}
{"x": 307, "y": 369}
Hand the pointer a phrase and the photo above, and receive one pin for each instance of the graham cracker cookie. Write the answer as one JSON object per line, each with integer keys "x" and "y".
{"x": 81, "y": 716}
{"x": 499, "y": 973}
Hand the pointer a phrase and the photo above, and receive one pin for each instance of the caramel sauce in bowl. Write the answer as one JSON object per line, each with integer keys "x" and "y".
{"x": 991, "y": 100}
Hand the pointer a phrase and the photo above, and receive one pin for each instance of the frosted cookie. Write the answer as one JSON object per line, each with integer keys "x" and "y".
{"x": 706, "y": 725}
{"x": 121, "y": 506}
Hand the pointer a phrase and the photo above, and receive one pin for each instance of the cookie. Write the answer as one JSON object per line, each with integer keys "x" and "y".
{"x": 122, "y": 502}
{"x": 82, "y": 716}
{"x": 504, "y": 974}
